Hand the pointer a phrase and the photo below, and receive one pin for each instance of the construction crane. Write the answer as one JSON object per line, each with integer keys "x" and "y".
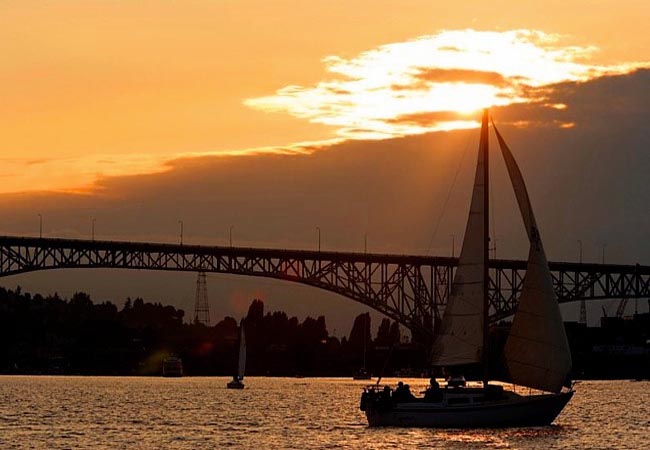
{"x": 620, "y": 309}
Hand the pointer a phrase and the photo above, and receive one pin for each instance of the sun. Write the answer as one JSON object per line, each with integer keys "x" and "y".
{"x": 463, "y": 98}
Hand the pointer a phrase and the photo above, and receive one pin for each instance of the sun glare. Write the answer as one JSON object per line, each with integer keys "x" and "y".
{"x": 434, "y": 82}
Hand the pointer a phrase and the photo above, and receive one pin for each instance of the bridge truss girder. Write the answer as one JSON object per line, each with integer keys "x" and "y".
{"x": 409, "y": 289}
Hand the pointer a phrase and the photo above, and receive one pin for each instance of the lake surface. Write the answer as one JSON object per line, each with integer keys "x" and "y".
{"x": 280, "y": 413}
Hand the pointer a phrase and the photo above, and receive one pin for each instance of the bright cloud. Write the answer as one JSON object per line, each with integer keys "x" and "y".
{"x": 445, "y": 76}
{"x": 81, "y": 175}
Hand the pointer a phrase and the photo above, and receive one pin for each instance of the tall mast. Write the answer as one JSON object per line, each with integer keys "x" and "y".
{"x": 365, "y": 331}
{"x": 485, "y": 143}
{"x": 463, "y": 330}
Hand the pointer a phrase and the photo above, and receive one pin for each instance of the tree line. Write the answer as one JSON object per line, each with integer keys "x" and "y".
{"x": 54, "y": 335}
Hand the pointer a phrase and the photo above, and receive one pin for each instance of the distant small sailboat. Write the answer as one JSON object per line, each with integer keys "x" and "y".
{"x": 237, "y": 381}
{"x": 172, "y": 367}
{"x": 536, "y": 352}
{"x": 362, "y": 373}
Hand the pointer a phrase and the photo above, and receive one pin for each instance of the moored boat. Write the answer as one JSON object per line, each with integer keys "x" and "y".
{"x": 172, "y": 367}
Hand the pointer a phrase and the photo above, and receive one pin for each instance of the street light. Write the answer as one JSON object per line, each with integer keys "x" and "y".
{"x": 453, "y": 245}
{"x": 230, "y": 234}
{"x": 365, "y": 243}
{"x": 180, "y": 222}
{"x": 40, "y": 225}
{"x": 92, "y": 229}
{"x": 318, "y": 229}
{"x": 580, "y": 246}
{"x": 604, "y": 247}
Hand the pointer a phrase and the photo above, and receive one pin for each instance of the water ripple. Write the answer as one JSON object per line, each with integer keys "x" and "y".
{"x": 57, "y": 413}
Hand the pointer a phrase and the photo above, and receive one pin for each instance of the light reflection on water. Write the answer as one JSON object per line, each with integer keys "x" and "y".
{"x": 281, "y": 413}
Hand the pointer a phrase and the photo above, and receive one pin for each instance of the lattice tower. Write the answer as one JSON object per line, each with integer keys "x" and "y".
{"x": 583, "y": 312}
{"x": 201, "y": 305}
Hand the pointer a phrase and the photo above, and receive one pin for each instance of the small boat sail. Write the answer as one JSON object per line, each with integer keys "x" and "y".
{"x": 237, "y": 381}
{"x": 536, "y": 352}
{"x": 362, "y": 373}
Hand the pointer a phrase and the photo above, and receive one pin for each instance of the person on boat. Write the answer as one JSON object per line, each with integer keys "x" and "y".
{"x": 398, "y": 393}
{"x": 433, "y": 393}
{"x": 403, "y": 393}
{"x": 386, "y": 393}
{"x": 235, "y": 378}
{"x": 385, "y": 398}
{"x": 407, "y": 393}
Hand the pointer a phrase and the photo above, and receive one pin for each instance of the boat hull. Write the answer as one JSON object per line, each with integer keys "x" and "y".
{"x": 535, "y": 410}
{"x": 235, "y": 385}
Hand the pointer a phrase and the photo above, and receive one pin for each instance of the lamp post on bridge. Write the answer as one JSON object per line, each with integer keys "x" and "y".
{"x": 40, "y": 226}
{"x": 604, "y": 247}
{"x": 318, "y": 229}
{"x": 365, "y": 243}
{"x": 580, "y": 254}
{"x": 583, "y": 307}
{"x": 453, "y": 245}
{"x": 92, "y": 228}
{"x": 180, "y": 222}
{"x": 230, "y": 234}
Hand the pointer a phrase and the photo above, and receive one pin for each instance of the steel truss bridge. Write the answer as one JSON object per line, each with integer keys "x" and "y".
{"x": 409, "y": 289}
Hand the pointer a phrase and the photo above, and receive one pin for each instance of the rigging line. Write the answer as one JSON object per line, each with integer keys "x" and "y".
{"x": 493, "y": 217}
{"x": 383, "y": 369}
{"x": 451, "y": 188}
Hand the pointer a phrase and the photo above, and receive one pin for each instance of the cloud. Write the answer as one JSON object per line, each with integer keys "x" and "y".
{"x": 463, "y": 71}
{"x": 87, "y": 174}
{"x": 425, "y": 78}
{"x": 433, "y": 75}
{"x": 426, "y": 119}
{"x": 431, "y": 83}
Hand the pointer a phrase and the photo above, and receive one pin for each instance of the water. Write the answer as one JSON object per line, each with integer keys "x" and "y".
{"x": 280, "y": 413}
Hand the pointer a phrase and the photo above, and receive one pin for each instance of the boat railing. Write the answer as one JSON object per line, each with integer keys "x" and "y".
{"x": 523, "y": 390}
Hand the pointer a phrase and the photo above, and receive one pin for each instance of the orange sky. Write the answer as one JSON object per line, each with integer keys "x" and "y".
{"x": 97, "y": 88}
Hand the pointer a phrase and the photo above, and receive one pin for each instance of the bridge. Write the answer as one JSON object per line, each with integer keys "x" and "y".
{"x": 412, "y": 290}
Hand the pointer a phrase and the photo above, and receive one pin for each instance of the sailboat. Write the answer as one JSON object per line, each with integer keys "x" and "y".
{"x": 362, "y": 373}
{"x": 237, "y": 381}
{"x": 536, "y": 353}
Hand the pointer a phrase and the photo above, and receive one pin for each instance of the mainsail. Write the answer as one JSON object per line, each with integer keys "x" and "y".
{"x": 460, "y": 340}
{"x": 536, "y": 351}
{"x": 242, "y": 353}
